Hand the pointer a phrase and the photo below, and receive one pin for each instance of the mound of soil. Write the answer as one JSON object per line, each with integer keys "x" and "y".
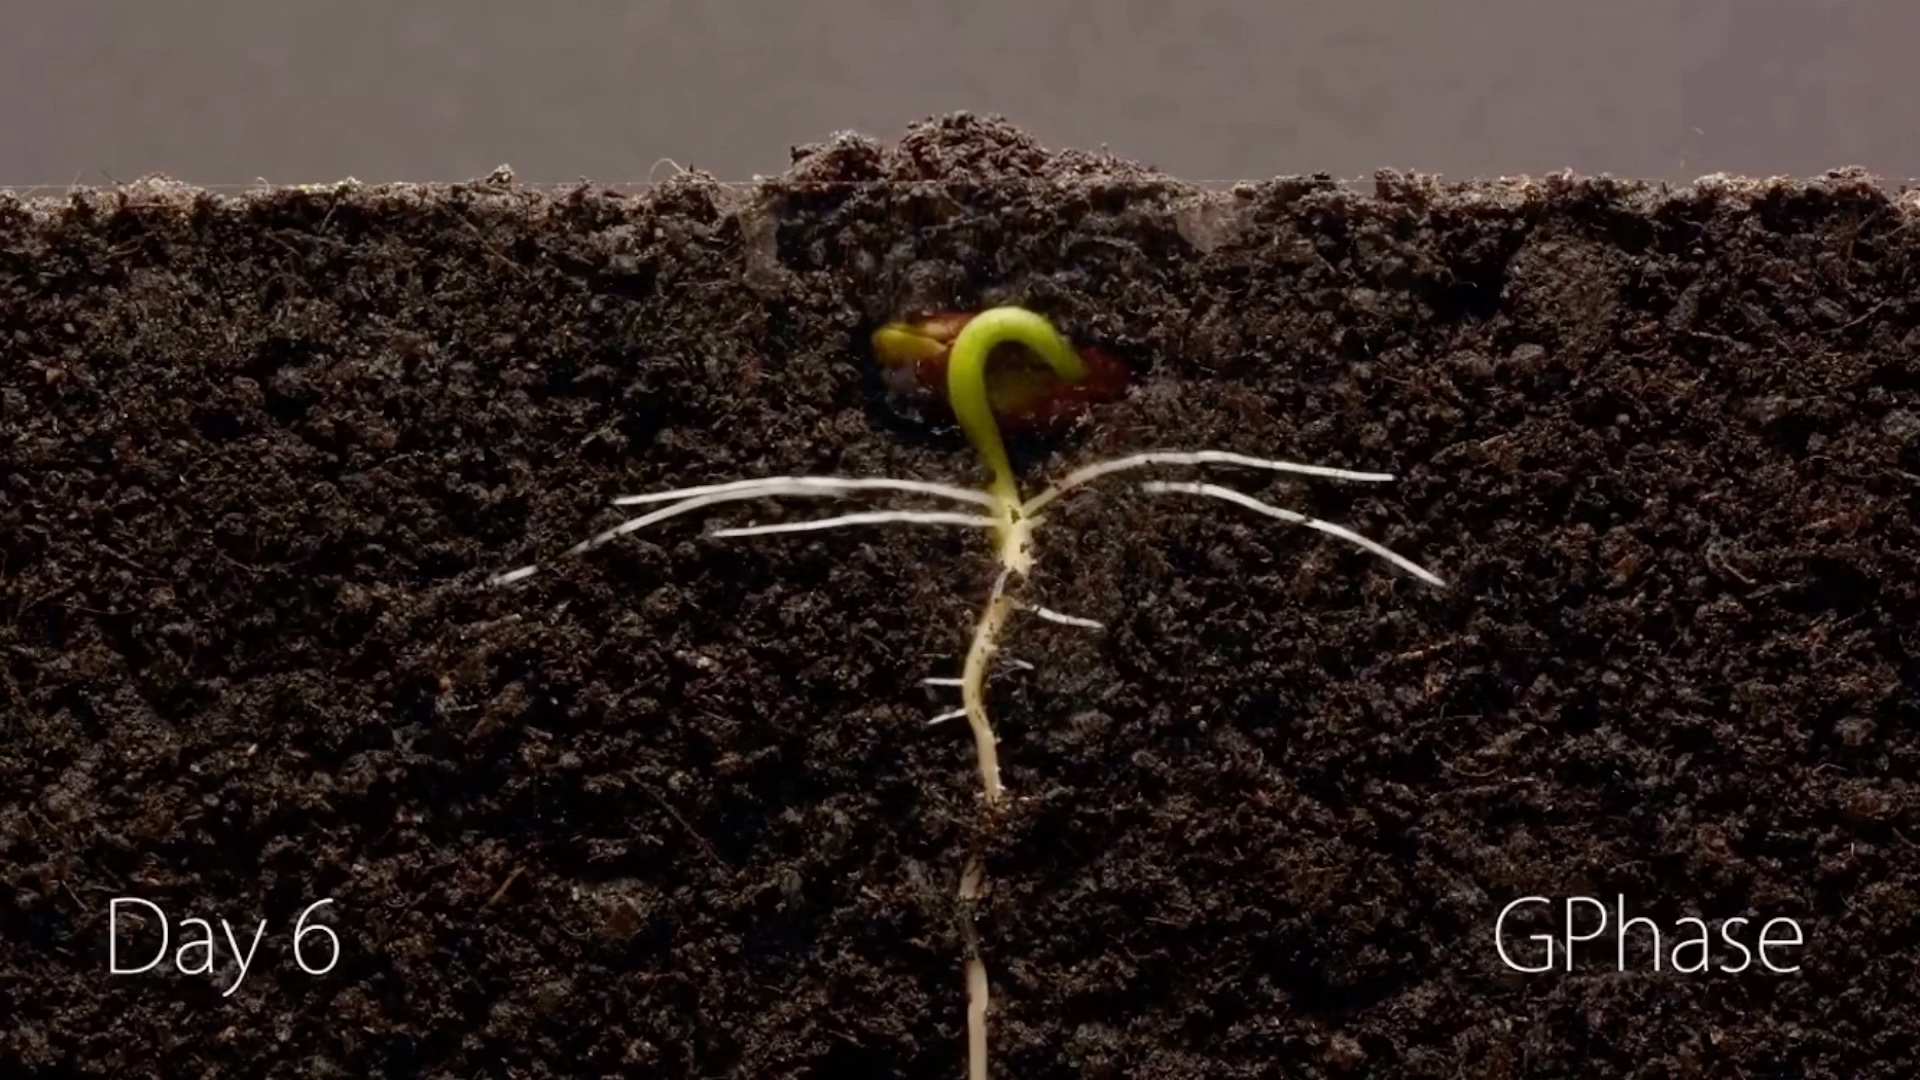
{"x": 673, "y": 808}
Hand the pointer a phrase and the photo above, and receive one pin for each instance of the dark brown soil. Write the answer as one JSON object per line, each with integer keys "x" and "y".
{"x": 673, "y": 810}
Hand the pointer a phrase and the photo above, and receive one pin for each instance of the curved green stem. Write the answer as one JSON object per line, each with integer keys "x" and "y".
{"x": 967, "y": 385}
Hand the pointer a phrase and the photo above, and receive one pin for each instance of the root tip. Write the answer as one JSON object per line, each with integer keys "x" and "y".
{"x": 512, "y": 576}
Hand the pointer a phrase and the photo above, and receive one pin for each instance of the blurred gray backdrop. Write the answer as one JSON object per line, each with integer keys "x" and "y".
{"x": 230, "y": 91}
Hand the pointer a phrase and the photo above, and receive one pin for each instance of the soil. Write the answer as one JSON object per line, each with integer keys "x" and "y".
{"x": 673, "y": 808}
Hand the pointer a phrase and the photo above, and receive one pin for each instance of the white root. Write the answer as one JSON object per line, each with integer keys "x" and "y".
{"x": 1215, "y": 491}
{"x": 1066, "y": 620}
{"x": 973, "y": 878}
{"x": 813, "y": 485}
{"x": 944, "y": 680}
{"x": 979, "y": 1000}
{"x": 696, "y": 498}
{"x": 1081, "y": 477}
{"x": 871, "y": 517}
{"x": 512, "y": 576}
{"x": 973, "y": 684}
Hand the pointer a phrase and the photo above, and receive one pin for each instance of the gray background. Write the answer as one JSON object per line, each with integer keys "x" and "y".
{"x": 230, "y": 91}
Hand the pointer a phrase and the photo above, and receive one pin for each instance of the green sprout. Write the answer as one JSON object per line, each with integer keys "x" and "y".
{"x": 1013, "y": 522}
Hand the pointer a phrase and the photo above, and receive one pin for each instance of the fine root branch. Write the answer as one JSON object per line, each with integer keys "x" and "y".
{"x": 812, "y": 485}
{"x": 686, "y": 500}
{"x": 1215, "y": 491}
{"x": 1084, "y": 476}
{"x": 945, "y": 680}
{"x": 1065, "y": 620}
{"x": 869, "y": 517}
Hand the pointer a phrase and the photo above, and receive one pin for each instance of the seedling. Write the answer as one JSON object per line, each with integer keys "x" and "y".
{"x": 959, "y": 347}
{"x": 947, "y": 356}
